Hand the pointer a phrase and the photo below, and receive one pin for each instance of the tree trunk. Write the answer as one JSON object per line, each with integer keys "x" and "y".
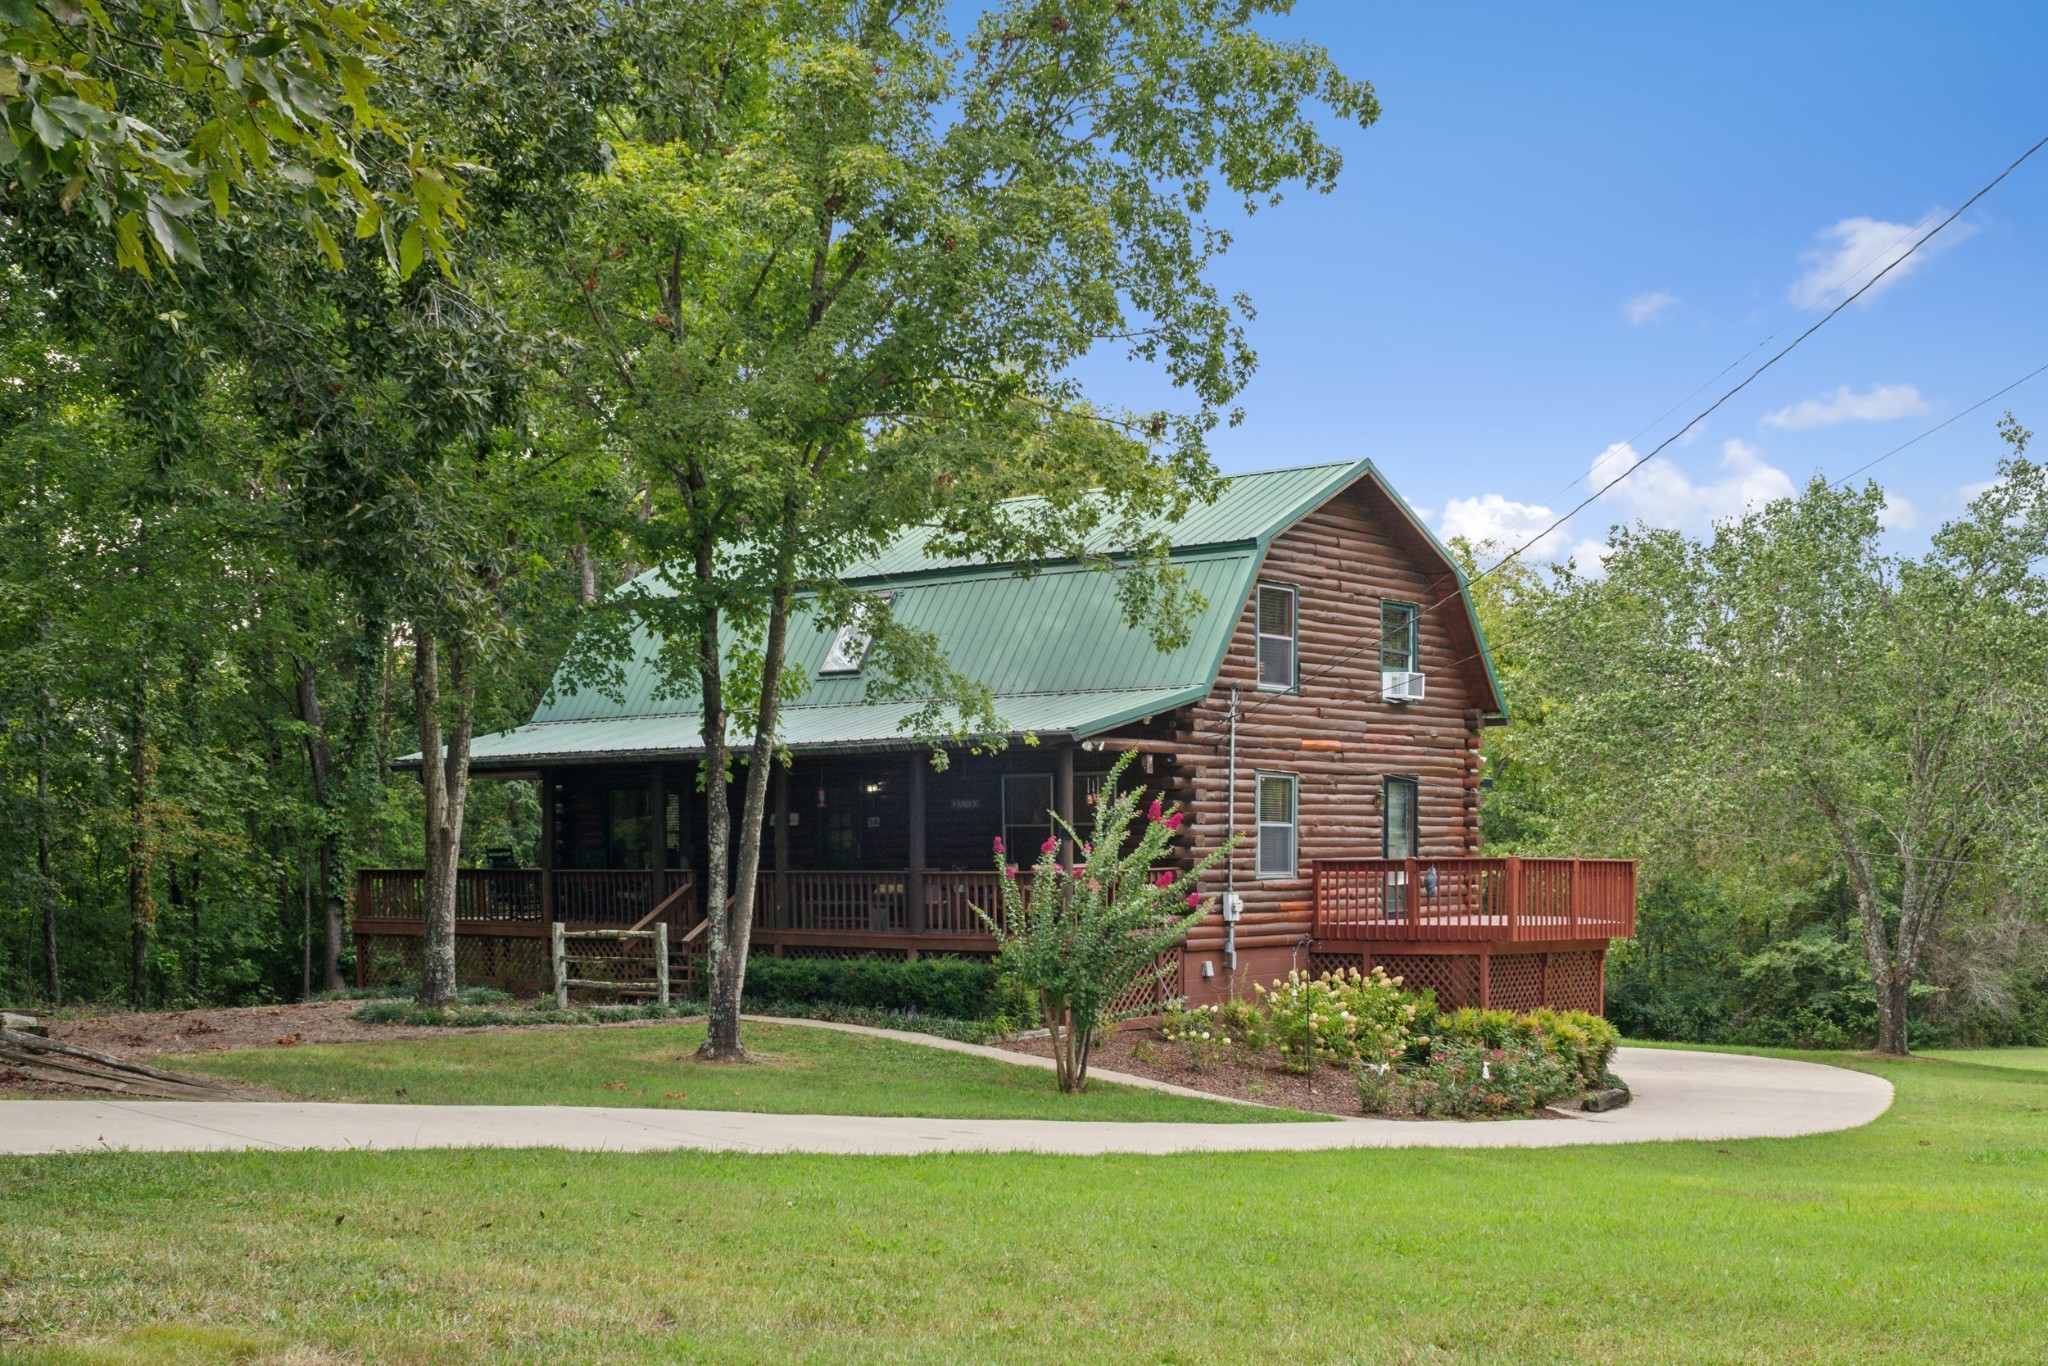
{"x": 184, "y": 899}
{"x": 1891, "y": 968}
{"x": 586, "y": 570}
{"x": 739, "y": 933}
{"x": 306, "y": 927}
{"x": 46, "y": 888}
{"x": 722, "y": 1026}
{"x": 1891, "y": 1015}
{"x": 141, "y": 850}
{"x": 319, "y": 757}
{"x": 444, "y": 778}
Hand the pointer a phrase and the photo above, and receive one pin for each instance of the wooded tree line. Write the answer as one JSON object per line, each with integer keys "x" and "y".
{"x": 355, "y": 362}
{"x": 1827, "y": 755}
{"x": 355, "y": 359}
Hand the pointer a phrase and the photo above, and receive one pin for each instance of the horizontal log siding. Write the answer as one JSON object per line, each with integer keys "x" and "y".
{"x": 1342, "y": 562}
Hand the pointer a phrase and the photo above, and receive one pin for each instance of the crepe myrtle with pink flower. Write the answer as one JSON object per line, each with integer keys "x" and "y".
{"x": 1082, "y": 935}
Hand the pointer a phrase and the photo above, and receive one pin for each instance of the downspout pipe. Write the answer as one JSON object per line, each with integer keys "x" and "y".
{"x": 1230, "y": 830}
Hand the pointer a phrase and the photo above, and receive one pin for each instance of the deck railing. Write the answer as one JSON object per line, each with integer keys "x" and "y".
{"x": 1490, "y": 899}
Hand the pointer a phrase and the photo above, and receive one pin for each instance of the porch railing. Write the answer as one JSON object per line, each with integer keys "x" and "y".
{"x": 843, "y": 900}
{"x": 1487, "y": 899}
{"x": 591, "y": 896}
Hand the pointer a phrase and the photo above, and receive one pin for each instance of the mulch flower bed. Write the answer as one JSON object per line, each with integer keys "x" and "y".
{"x": 1142, "y": 1053}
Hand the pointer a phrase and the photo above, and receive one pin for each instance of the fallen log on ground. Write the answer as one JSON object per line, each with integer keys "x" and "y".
{"x": 72, "y": 1065}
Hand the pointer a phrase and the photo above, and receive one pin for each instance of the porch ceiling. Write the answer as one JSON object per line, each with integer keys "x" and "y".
{"x": 854, "y": 727}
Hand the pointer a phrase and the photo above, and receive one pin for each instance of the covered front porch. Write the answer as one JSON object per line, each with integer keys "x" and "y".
{"x": 872, "y": 853}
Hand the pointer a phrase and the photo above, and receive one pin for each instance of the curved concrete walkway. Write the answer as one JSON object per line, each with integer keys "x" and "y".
{"x": 1679, "y": 1095}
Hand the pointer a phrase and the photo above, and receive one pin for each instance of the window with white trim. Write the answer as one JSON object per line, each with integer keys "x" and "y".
{"x": 1278, "y": 826}
{"x": 1399, "y": 652}
{"x": 1277, "y": 637}
{"x": 849, "y": 647}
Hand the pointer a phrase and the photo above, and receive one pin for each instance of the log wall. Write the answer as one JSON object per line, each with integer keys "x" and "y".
{"x": 1334, "y": 734}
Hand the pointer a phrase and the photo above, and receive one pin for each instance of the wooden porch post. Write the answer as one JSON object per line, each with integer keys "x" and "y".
{"x": 362, "y": 908}
{"x": 1575, "y": 898}
{"x": 913, "y": 880}
{"x": 547, "y": 845}
{"x": 657, "y": 863}
{"x": 1514, "y": 896}
{"x": 1062, "y": 802}
{"x": 778, "y": 895}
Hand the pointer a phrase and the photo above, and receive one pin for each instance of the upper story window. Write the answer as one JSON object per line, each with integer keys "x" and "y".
{"x": 1277, "y": 825}
{"x": 850, "y": 642}
{"x": 1278, "y": 663}
{"x": 1400, "y": 650}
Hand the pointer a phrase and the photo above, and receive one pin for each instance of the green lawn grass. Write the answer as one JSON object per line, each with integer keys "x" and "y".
{"x": 1921, "y": 1237}
{"x": 2032, "y": 1059}
{"x": 798, "y": 1070}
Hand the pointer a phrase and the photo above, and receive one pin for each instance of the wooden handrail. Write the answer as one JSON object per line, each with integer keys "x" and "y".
{"x": 689, "y": 888}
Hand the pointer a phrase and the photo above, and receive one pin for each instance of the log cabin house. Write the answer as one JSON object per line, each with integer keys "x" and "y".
{"x": 1327, "y": 707}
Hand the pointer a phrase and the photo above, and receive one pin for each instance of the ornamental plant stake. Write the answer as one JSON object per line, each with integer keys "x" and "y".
{"x": 1088, "y": 931}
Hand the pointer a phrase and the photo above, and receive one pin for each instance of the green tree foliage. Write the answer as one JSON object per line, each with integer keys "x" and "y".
{"x": 838, "y": 291}
{"x": 740, "y": 290}
{"x": 1784, "y": 702}
{"x": 1090, "y": 930}
{"x": 261, "y": 487}
{"x": 142, "y": 112}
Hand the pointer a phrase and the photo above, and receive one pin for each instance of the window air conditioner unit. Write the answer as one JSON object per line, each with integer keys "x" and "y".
{"x": 1400, "y": 686}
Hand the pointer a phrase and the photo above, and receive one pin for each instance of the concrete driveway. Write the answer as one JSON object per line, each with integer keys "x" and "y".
{"x": 1679, "y": 1095}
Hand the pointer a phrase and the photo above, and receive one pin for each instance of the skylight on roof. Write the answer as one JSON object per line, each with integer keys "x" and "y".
{"x": 849, "y": 648}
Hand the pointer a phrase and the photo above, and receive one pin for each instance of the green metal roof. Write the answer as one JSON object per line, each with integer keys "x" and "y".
{"x": 1061, "y": 631}
{"x": 1250, "y": 509}
{"x": 1053, "y": 647}
{"x": 858, "y": 726}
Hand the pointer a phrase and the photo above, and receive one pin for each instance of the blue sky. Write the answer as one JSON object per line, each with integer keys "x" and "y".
{"x": 1570, "y": 217}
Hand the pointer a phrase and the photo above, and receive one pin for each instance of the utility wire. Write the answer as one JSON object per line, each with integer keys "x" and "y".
{"x": 1775, "y": 333}
{"x": 1870, "y": 464}
{"x": 1515, "y": 554}
{"x": 1939, "y": 425}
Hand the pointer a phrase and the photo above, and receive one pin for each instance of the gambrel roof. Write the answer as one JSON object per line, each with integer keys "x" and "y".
{"x": 1052, "y": 646}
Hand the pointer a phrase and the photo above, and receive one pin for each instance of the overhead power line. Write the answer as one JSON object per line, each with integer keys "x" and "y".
{"x": 1939, "y": 425}
{"x": 1360, "y": 643}
{"x": 1779, "y": 330}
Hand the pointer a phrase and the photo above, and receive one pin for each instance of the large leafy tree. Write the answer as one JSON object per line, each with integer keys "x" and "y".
{"x": 841, "y": 290}
{"x": 1788, "y": 685}
{"x": 383, "y": 491}
{"x": 140, "y": 113}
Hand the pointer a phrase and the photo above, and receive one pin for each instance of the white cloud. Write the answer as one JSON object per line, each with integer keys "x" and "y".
{"x": 1645, "y": 307}
{"x": 1857, "y": 249}
{"x": 1898, "y": 514}
{"x": 1883, "y": 403}
{"x": 1662, "y": 494}
{"x": 1659, "y": 493}
{"x": 1490, "y": 518}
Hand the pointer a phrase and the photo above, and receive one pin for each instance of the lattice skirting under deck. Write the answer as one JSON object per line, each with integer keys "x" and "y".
{"x": 487, "y": 960}
{"x": 1565, "y": 979}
